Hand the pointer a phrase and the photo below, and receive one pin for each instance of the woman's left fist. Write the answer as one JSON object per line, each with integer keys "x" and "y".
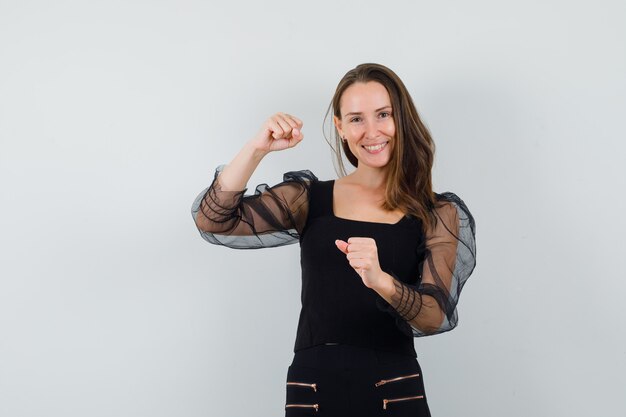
{"x": 362, "y": 254}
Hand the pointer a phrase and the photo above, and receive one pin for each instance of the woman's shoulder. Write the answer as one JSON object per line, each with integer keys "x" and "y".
{"x": 300, "y": 175}
{"x": 449, "y": 199}
{"x": 447, "y": 196}
{"x": 450, "y": 205}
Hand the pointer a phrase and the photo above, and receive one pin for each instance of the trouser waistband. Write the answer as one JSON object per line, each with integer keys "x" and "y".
{"x": 335, "y": 356}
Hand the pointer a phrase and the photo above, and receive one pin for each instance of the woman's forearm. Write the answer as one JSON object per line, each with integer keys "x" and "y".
{"x": 281, "y": 131}
{"x": 430, "y": 316}
{"x": 216, "y": 210}
{"x": 237, "y": 173}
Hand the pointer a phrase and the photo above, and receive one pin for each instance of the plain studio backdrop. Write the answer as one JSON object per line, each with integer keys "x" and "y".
{"x": 114, "y": 115}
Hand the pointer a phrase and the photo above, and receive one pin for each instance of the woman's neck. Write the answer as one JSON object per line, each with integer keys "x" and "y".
{"x": 370, "y": 178}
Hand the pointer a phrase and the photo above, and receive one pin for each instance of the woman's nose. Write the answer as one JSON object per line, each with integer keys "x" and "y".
{"x": 371, "y": 130}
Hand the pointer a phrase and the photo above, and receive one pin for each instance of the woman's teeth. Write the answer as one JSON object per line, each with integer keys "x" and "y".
{"x": 375, "y": 148}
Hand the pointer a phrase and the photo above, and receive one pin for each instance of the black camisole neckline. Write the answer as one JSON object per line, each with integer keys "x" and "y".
{"x": 332, "y": 211}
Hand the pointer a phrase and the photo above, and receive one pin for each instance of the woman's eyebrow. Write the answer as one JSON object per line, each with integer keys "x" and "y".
{"x": 377, "y": 110}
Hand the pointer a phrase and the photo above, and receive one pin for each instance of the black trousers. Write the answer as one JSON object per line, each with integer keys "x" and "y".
{"x": 336, "y": 380}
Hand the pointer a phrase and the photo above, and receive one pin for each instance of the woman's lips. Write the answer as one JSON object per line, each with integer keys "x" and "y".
{"x": 374, "y": 149}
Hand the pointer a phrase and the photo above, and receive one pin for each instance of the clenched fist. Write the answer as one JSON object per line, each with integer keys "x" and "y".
{"x": 280, "y": 131}
{"x": 362, "y": 254}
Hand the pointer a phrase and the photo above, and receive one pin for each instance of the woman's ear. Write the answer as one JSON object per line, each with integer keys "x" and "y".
{"x": 337, "y": 122}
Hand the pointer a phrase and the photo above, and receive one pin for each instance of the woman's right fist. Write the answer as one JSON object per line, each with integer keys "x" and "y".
{"x": 280, "y": 131}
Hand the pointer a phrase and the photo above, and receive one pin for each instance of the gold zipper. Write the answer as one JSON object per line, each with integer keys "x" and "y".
{"x": 385, "y": 402}
{"x": 314, "y": 386}
{"x": 384, "y": 381}
{"x": 316, "y": 406}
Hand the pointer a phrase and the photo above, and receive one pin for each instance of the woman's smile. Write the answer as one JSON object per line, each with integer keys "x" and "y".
{"x": 374, "y": 149}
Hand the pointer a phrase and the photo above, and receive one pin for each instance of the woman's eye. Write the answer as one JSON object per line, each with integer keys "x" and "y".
{"x": 355, "y": 119}
{"x": 385, "y": 114}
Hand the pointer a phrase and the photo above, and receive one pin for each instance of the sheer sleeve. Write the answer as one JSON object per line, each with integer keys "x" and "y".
{"x": 271, "y": 217}
{"x": 429, "y": 306}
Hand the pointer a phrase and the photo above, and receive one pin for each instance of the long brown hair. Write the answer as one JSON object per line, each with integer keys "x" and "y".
{"x": 409, "y": 179}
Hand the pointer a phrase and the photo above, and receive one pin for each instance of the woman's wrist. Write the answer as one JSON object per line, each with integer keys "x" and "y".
{"x": 385, "y": 287}
{"x": 254, "y": 153}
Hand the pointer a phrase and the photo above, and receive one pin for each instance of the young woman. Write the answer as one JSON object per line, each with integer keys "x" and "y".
{"x": 384, "y": 258}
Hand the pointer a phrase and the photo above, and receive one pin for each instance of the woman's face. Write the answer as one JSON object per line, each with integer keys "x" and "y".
{"x": 367, "y": 123}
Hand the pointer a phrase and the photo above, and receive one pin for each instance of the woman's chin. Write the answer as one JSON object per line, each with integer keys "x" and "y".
{"x": 373, "y": 164}
{"x": 379, "y": 160}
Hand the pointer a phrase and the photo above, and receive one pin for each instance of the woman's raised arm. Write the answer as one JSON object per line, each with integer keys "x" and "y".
{"x": 273, "y": 216}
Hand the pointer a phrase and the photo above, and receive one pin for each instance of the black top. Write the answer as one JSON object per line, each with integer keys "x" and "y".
{"x": 429, "y": 271}
{"x": 336, "y": 305}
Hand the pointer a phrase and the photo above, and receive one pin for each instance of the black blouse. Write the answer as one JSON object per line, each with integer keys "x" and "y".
{"x": 336, "y": 306}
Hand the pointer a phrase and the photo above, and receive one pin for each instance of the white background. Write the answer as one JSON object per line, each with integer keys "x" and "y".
{"x": 113, "y": 115}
